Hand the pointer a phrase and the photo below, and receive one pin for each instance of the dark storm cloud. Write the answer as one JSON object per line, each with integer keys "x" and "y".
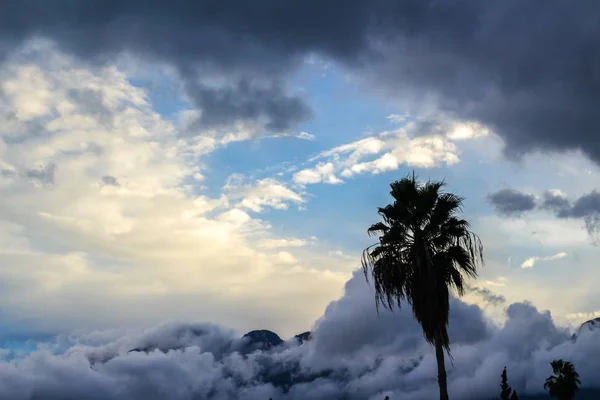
{"x": 556, "y": 202}
{"x": 354, "y": 354}
{"x": 586, "y": 204}
{"x": 246, "y": 101}
{"x": 527, "y": 69}
{"x": 511, "y": 201}
{"x": 586, "y": 207}
{"x": 256, "y": 44}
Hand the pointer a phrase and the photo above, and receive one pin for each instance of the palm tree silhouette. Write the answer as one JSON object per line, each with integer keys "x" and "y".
{"x": 564, "y": 384}
{"x": 424, "y": 251}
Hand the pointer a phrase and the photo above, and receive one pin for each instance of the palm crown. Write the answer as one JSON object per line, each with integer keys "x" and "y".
{"x": 565, "y": 382}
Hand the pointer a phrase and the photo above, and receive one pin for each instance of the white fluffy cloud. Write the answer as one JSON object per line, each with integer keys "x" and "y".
{"x": 322, "y": 172}
{"x": 531, "y": 261}
{"x": 102, "y": 214}
{"x": 305, "y": 136}
{"x": 423, "y": 144}
{"x": 283, "y": 242}
{"x": 263, "y": 193}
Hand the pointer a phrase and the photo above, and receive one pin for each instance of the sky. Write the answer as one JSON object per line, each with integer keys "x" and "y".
{"x": 204, "y": 163}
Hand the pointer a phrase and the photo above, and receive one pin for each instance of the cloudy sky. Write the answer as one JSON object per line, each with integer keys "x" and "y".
{"x": 197, "y": 162}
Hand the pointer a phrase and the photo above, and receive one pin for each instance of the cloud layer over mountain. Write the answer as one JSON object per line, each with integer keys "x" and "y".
{"x": 507, "y": 64}
{"x": 354, "y": 354}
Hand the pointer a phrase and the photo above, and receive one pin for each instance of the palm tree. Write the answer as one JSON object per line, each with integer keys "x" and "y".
{"x": 564, "y": 383}
{"x": 424, "y": 251}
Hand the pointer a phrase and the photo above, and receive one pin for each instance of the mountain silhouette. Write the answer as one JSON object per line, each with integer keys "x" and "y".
{"x": 303, "y": 337}
{"x": 261, "y": 339}
{"x": 587, "y": 326}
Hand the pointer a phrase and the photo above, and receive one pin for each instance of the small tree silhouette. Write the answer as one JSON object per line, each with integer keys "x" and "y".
{"x": 514, "y": 395}
{"x": 505, "y": 389}
{"x": 564, "y": 383}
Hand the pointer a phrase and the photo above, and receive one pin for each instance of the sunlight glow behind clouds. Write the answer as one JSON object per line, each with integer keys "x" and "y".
{"x": 79, "y": 246}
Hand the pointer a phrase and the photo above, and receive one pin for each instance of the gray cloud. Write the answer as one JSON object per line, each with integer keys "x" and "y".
{"x": 556, "y": 202}
{"x": 43, "y": 175}
{"x": 354, "y": 354}
{"x": 246, "y": 101}
{"x": 488, "y": 296}
{"x": 528, "y": 70}
{"x": 110, "y": 180}
{"x": 8, "y": 173}
{"x": 91, "y": 102}
{"x": 511, "y": 201}
{"x": 586, "y": 207}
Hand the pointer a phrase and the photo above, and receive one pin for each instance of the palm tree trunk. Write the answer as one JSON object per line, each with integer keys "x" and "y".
{"x": 439, "y": 355}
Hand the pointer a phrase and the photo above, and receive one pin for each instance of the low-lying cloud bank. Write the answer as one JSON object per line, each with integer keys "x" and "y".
{"x": 353, "y": 354}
